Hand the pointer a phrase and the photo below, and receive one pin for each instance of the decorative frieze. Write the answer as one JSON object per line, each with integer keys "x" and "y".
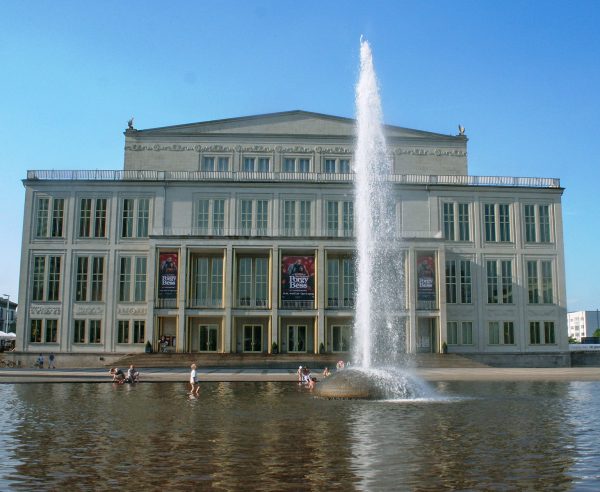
{"x": 83, "y": 310}
{"x": 334, "y": 150}
{"x": 132, "y": 310}
{"x": 425, "y": 152}
{"x": 37, "y": 310}
{"x": 255, "y": 148}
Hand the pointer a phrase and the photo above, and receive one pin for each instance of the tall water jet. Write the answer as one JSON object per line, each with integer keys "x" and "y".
{"x": 378, "y": 327}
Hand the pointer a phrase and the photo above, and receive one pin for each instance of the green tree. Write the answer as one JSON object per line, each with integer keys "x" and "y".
{"x": 596, "y": 333}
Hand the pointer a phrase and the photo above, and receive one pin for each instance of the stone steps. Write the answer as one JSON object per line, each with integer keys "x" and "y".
{"x": 288, "y": 361}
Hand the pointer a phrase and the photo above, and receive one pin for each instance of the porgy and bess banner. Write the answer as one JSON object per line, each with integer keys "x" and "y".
{"x": 426, "y": 277}
{"x": 167, "y": 276}
{"x": 298, "y": 278}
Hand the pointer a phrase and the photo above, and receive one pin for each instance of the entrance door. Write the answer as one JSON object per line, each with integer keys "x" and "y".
{"x": 340, "y": 338}
{"x": 296, "y": 338}
{"x": 252, "y": 338}
{"x": 426, "y": 335}
{"x": 204, "y": 338}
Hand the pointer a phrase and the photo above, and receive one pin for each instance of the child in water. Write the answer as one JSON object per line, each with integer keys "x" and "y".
{"x": 195, "y": 387}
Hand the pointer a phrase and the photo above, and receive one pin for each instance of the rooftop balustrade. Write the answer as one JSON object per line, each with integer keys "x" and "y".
{"x": 284, "y": 177}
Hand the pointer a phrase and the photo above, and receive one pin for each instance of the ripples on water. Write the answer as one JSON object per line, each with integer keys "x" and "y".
{"x": 276, "y": 436}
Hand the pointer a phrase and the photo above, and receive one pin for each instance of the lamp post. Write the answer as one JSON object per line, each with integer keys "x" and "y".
{"x": 6, "y": 325}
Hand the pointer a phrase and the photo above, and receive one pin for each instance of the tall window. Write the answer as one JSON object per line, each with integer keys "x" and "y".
{"x": 89, "y": 279}
{"x": 297, "y": 217}
{"x": 253, "y": 281}
{"x": 535, "y": 334}
{"x": 92, "y": 217}
{"x": 46, "y": 278}
{"x": 459, "y": 282}
{"x": 537, "y": 223}
{"x": 499, "y": 281}
{"x": 296, "y": 165}
{"x": 35, "y": 330}
{"x": 123, "y": 331}
{"x": 501, "y": 333}
{"x": 456, "y": 221}
{"x": 139, "y": 331}
{"x": 254, "y": 217}
{"x": 340, "y": 218}
{"x": 132, "y": 278}
{"x": 539, "y": 282}
{"x": 340, "y": 282}
{"x": 135, "y": 216}
{"x": 49, "y": 217}
{"x": 207, "y": 281}
{"x": 497, "y": 222}
{"x": 210, "y": 216}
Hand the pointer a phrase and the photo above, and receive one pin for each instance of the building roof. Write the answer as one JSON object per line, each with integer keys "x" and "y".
{"x": 296, "y": 122}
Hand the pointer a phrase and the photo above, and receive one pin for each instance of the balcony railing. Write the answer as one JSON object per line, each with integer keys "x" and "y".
{"x": 205, "y": 303}
{"x": 346, "y": 303}
{"x": 165, "y": 303}
{"x": 297, "y": 304}
{"x": 244, "y": 176}
{"x": 247, "y": 303}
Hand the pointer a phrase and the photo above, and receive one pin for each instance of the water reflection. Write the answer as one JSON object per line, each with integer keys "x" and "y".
{"x": 276, "y": 436}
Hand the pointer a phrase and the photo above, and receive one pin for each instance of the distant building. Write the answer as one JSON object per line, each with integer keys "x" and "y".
{"x": 583, "y": 323}
{"x": 232, "y": 236}
{"x": 8, "y": 323}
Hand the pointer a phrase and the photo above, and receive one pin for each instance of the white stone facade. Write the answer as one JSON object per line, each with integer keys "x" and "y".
{"x": 233, "y": 202}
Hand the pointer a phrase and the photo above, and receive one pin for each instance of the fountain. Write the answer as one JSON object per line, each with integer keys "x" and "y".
{"x": 379, "y": 326}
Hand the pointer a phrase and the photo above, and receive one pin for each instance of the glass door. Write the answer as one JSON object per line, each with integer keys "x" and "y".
{"x": 208, "y": 338}
{"x": 296, "y": 338}
{"x": 252, "y": 338}
{"x": 340, "y": 338}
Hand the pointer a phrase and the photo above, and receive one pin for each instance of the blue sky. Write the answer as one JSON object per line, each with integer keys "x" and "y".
{"x": 523, "y": 77}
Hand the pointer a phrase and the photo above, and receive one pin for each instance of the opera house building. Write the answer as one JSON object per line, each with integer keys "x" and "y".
{"x": 237, "y": 236}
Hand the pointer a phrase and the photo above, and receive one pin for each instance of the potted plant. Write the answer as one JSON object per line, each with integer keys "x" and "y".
{"x": 444, "y": 348}
{"x": 274, "y": 348}
{"x": 148, "y": 349}
{"x": 322, "y": 348}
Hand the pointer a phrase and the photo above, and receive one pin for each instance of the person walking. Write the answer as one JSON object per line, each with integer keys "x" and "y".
{"x": 51, "y": 360}
{"x": 194, "y": 386}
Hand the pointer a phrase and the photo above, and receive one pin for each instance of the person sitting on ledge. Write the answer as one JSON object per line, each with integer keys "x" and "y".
{"x": 117, "y": 374}
{"x": 339, "y": 365}
{"x": 326, "y": 372}
{"x": 133, "y": 376}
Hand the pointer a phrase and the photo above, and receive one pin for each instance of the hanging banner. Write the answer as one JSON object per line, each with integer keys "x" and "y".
{"x": 298, "y": 278}
{"x": 167, "y": 276}
{"x": 425, "y": 277}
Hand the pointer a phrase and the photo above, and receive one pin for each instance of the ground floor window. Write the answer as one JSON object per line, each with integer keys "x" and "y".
{"x": 253, "y": 338}
{"x": 340, "y": 338}
{"x": 124, "y": 334}
{"x": 43, "y": 330}
{"x": 296, "y": 338}
{"x": 460, "y": 332}
{"x": 501, "y": 332}
{"x": 87, "y": 331}
{"x": 538, "y": 336}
